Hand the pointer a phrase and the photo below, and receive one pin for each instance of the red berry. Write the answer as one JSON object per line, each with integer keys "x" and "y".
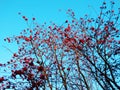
{"x": 104, "y": 2}
{"x": 15, "y": 55}
{"x": 33, "y": 18}
{"x": 66, "y": 21}
{"x": 1, "y": 64}
{"x": 24, "y": 17}
{"x": 68, "y": 69}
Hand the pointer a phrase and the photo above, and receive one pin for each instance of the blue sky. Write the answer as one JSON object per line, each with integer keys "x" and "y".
{"x": 44, "y": 11}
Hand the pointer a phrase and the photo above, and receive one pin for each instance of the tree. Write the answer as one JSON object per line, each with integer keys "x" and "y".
{"x": 72, "y": 56}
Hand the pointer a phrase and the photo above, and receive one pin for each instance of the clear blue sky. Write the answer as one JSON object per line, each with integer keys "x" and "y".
{"x": 44, "y": 11}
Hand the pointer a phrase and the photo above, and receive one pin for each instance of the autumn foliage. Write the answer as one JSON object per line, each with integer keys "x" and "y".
{"x": 82, "y": 54}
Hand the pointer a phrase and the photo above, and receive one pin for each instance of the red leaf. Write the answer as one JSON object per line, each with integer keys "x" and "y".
{"x": 82, "y": 41}
{"x": 68, "y": 28}
{"x": 42, "y": 76}
{"x": 24, "y": 68}
{"x": 106, "y": 28}
{"x": 8, "y": 39}
{"x": 30, "y": 37}
{"x": 40, "y": 68}
{"x": 18, "y": 72}
{"x": 27, "y": 39}
{"x": 79, "y": 47}
{"x": 1, "y": 79}
{"x": 30, "y": 76}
